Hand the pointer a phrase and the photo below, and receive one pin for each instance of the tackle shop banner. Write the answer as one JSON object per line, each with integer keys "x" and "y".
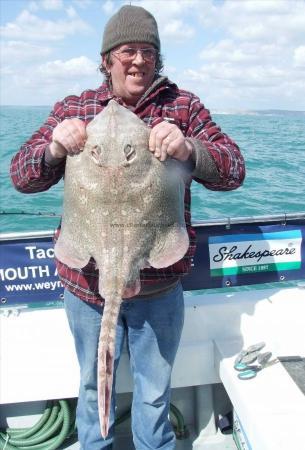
{"x": 241, "y": 255}
{"x": 28, "y": 274}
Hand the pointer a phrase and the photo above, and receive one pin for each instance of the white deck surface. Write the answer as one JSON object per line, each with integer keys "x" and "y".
{"x": 38, "y": 361}
{"x": 270, "y": 406}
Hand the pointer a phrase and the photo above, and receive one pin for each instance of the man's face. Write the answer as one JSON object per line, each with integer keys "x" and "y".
{"x": 132, "y": 70}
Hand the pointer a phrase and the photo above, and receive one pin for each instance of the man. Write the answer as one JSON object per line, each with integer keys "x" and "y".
{"x": 181, "y": 128}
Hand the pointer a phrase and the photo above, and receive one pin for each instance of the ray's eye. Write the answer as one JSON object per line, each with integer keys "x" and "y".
{"x": 129, "y": 152}
{"x": 96, "y": 149}
{"x": 95, "y": 153}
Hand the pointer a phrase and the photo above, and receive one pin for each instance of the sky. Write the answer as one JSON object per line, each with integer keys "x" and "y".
{"x": 234, "y": 54}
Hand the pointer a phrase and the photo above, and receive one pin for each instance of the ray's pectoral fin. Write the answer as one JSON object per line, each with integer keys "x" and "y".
{"x": 170, "y": 246}
{"x": 70, "y": 254}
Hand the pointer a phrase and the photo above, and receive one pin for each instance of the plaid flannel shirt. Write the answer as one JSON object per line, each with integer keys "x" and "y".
{"x": 30, "y": 174}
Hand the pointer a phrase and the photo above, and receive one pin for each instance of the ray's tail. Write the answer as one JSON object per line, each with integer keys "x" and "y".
{"x": 105, "y": 365}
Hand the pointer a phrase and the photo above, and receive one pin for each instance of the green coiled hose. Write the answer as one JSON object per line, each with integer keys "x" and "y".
{"x": 177, "y": 421}
{"x": 54, "y": 427}
{"x": 58, "y": 423}
{"x": 27, "y": 432}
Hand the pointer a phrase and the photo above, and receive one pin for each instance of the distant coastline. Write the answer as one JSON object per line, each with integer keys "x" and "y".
{"x": 259, "y": 112}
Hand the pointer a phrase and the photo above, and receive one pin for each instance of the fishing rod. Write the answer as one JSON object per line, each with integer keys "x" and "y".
{"x": 29, "y": 213}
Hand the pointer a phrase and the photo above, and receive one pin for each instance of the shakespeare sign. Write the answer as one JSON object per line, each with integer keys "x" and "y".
{"x": 251, "y": 253}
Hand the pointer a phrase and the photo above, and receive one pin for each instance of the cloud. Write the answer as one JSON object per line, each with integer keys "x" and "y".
{"x": 73, "y": 68}
{"x": 48, "y": 5}
{"x": 44, "y": 83}
{"x": 253, "y": 87}
{"x": 6, "y": 70}
{"x": 255, "y": 54}
{"x": 299, "y": 56}
{"x": 227, "y": 50}
{"x": 170, "y": 9}
{"x": 52, "y": 5}
{"x": 36, "y": 34}
{"x": 231, "y": 76}
{"x": 83, "y": 4}
{"x": 71, "y": 13}
{"x": 28, "y": 26}
{"x": 109, "y": 7}
{"x": 173, "y": 29}
{"x": 33, "y": 6}
{"x": 172, "y": 18}
{"x": 17, "y": 52}
{"x": 245, "y": 53}
{"x": 254, "y": 20}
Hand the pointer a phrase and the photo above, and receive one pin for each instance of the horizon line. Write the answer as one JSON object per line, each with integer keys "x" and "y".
{"x": 215, "y": 110}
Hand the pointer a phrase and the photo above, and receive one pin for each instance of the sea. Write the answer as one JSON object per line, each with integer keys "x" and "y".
{"x": 272, "y": 143}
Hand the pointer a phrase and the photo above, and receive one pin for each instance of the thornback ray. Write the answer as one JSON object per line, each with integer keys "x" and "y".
{"x": 125, "y": 209}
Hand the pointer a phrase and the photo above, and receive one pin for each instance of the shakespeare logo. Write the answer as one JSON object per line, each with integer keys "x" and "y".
{"x": 252, "y": 253}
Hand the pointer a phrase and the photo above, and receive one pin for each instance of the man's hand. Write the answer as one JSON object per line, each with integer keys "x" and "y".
{"x": 167, "y": 139}
{"x": 68, "y": 138}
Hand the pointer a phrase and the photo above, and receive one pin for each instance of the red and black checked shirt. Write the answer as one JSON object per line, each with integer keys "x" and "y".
{"x": 30, "y": 174}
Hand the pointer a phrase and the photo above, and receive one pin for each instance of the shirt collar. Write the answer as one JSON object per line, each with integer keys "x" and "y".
{"x": 105, "y": 93}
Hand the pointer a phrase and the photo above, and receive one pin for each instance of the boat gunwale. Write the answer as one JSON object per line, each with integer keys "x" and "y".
{"x": 226, "y": 221}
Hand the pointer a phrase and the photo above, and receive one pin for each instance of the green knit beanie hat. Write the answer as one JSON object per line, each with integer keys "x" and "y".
{"x": 130, "y": 24}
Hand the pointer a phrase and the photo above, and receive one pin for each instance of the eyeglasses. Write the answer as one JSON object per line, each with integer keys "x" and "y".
{"x": 128, "y": 54}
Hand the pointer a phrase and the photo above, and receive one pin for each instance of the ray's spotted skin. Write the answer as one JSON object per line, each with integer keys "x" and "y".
{"x": 124, "y": 208}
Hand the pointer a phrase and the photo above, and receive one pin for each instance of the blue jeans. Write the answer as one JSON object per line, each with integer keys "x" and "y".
{"x": 152, "y": 327}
